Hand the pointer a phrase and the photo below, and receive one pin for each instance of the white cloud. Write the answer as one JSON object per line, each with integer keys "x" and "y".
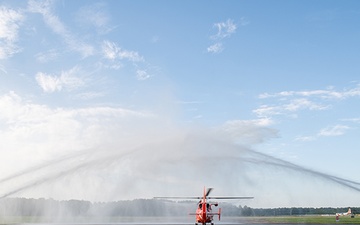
{"x": 215, "y": 48}
{"x": 33, "y": 132}
{"x": 303, "y": 103}
{"x": 45, "y": 9}
{"x": 336, "y": 130}
{"x": 48, "y": 83}
{"x": 130, "y": 55}
{"x": 224, "y": 29}
{"x": 324, "y": 94}
{"x": 305, "y": 138}
{"x": 289, "y": 108}
{"x": 44, "y": 57}
{"x": 142, "y": 75}
{"x": 19, "y": 113}
{"x": 293, "y": 101}
{"x": 354, "y": 120}
{"x": 67, "y": 79}
{"x": 112, "y": 51}
{"x": 10, "y": 21}
{"x": 266, "y": 110}
{"x": 115, "y": 56}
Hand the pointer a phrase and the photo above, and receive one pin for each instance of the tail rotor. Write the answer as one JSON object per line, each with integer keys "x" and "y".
{"x": 219, "y": 213}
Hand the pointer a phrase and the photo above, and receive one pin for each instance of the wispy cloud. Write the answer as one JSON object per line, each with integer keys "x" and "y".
{"x": 324, "y": 94}
{"x": 112, "y": 55}
{"x": 329, "y": 131}
{"x": 116, "y": 57}
{"x": 95, "y": 15}
{"x": 215, "y": 48}
{"x": 10, "y": 21}
{"x": 48, "y": 83}
{"x": 66, "y": 80}
{"x": 112, "y": 51}
{"x": 290, "y": 107}
{"x": 336, "y": 130}
{"x": 354, "y": 120}
{"x": 303, "y": 103}
{"x": 18, "y": 112}
{"x": 142, "y": 75}
{"x": 45, "y": 9}
{"x": 305, "y": 138}
{"x": 44, "y": 57}
{"x": 2, "y": 69}
{"x": 293, "y": 101}
{"x": 223, "y": 30}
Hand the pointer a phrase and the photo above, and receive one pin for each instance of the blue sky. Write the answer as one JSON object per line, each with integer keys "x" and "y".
{"x": 276, "y": 77}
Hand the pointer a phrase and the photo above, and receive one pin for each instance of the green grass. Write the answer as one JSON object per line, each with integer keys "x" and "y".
{"x": 19, "y": 219}
{"x": 252, "y": 220}
{"x": 310, "y": 220}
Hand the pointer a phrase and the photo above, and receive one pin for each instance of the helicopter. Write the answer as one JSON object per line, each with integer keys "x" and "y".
{"x": 204, "y": 213}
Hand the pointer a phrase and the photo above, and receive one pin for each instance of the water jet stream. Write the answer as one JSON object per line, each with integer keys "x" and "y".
{"x": 154, "y": 158}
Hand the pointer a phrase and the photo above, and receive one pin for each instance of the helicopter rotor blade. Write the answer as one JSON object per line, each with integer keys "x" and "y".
{"x": 208, "y": 191}
{"x": 232, "y": 197}
{"x": 177, "y": 197}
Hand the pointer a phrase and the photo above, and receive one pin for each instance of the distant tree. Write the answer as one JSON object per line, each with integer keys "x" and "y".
{"x": 140, "y": 208}
{"x": 247, "y": 211}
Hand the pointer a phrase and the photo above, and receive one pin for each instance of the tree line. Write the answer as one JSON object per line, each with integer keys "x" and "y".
{"x": 140, "y": 208}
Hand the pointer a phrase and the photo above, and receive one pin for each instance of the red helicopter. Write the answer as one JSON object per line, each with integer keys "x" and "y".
{"x": 204, "y": 212}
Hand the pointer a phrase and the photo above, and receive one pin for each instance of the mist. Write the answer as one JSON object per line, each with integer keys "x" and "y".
{"x": 108, "y": 154}
{"x": 180, "y": 165}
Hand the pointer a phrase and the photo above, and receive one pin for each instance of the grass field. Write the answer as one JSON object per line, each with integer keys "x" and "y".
{"x": 305, "y": 220}
{"x": 247, "y": 220}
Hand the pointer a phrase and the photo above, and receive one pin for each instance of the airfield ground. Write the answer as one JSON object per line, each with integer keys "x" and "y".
{"x": 301, "y": 220}
{"x": 151, "y": 221}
